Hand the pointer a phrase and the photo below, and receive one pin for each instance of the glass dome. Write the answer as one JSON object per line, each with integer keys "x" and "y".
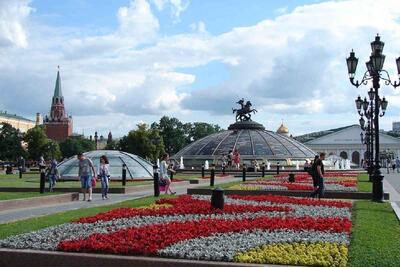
{"x": 137, "y": 167}
{"x": 252, "y": 141}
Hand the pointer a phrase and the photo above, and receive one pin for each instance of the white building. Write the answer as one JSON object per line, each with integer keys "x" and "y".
{"x": 346, "y": 143}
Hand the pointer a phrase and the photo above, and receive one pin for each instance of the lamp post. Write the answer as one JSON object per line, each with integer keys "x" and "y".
{"x": 377, "y": 106}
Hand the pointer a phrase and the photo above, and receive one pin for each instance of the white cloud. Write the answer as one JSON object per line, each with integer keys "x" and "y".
{"x": 291, "y": 66}
{"x": 176, "y": 7}
{"x": 13, "y": 14}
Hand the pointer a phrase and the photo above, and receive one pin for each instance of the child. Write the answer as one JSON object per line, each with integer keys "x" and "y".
{"x": 53, "y": 174}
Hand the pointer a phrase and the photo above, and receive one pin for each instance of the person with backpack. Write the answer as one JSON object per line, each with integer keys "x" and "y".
{"x": 52, "y": 175}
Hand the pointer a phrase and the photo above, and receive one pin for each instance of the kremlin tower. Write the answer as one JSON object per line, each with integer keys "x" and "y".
{"x": 58, "y": 125}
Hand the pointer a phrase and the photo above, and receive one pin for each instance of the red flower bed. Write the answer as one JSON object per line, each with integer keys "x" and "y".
{"x": 181, "y": 205}
{"x": 294, "y": 200}
{"x": 148, "y": 239}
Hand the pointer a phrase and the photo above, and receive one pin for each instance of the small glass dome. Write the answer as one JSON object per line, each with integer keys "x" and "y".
{"x": 136, "y": 167}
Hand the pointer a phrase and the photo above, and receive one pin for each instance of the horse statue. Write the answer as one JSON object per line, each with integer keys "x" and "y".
{"x": 244, "y": 113}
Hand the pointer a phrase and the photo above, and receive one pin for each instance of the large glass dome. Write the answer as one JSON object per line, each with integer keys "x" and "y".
{"x": 252, "y": 141}
{"x": 137, "y": 167}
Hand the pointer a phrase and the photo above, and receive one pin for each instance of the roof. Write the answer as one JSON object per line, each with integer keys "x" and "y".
{"x": 314, "y": 135}
{"x": 57, "y": 88}
{"x": 4, "y": 114}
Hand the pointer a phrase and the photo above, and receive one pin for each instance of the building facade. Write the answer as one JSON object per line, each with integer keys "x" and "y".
{"x": 58, "y": 124}
{"x": 396, "y": 126}
{"x": 18, "y": 122}
{"x": 346, "y": 143}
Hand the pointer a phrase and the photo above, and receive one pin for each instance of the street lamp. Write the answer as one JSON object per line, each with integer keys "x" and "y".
{"x": 376, "y": 107}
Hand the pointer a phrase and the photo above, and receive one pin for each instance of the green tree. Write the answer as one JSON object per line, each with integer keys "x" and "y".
{"x": 144, "y": 142}
{"x": 112, "y": 145}
{"x": 37, "y": 140}
{"x": 173, "y": 134}
{"x": 10, "y": 143}
{"x": 198, "y": 130}
{"x": 51, "y": 150}
{"x": 75, "y": 144}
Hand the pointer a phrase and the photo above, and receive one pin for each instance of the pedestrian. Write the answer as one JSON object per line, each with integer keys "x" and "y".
{"x": 319, "y": 167}
{"x": 53, "y": 175}
{"x": 41, "y": 163}
{"x": 398, "y": 164}
{"x": 236, "y": 159}
{"x": 223, "y": 160}
{"x": 103, "y": 174}
{"x": 230, "y": 158}
{"x": 164, "y": 174}
{"x": 86, "y": 174}
{"x": 255, "y": 165}
{"x": 313, "y": 173}
{"x": 388, "y": 165}
{"x": 393, "y": 164}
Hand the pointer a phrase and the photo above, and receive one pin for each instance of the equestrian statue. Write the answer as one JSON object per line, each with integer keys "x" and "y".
{"x": 244, "y": 113}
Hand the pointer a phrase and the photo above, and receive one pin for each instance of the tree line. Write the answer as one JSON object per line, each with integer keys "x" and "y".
{"x": 148, "y": 141}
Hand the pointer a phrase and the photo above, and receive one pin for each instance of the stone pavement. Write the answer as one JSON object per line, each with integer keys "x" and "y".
{"x": 20, "y": 214}
{"x": 391, "y": 184}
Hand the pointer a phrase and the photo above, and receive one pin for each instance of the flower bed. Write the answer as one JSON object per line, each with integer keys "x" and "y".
{"x": 250, "y": 229}
{"x": 334, "y": 181}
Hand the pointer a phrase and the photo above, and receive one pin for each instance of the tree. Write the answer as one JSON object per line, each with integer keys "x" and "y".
{"x": 144, "y": 142}
{"x": 173, "y": 134}
{"x": 112, "y": 145}
{"x": 75, "y": 144}
{"x": 10, "y": 143}
{"x": 51, "y": 150}
{"x": 198, "y": 130}
{"x": 40, "y": 145}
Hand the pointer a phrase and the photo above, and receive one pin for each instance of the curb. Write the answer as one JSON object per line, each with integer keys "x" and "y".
{"x": 33, "y": 202}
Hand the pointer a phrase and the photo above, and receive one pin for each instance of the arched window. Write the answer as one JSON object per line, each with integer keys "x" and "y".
{"x": 343, "y": 155}
{"x": 355, "y": 157}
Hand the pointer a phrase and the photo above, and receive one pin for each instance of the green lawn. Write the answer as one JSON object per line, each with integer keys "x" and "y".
{"x": 363, "y": 183}
{"x": 33, "y": 181}
{"x": 375, "y": 237}
{"x": 18, "y": 195}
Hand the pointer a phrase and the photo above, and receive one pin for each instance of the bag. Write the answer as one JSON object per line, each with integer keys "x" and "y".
{"x": 162, "y": 182}
{"x": 94, "y": 182}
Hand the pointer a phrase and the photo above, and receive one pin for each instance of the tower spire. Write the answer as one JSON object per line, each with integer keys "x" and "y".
{"x": 57, "y": 88}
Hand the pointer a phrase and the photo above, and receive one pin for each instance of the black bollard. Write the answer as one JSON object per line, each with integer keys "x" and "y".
{"x": 20, "y": 173}
{"x": 223, "y": 169}
{"x": 212, "y": 177}
{"x": 277, "y": 168}
{"x": 171, "y": 175}
{"x": 156, "y": 181}
{"x": 244, "y": 173}
{"x": 42, "y": 179}
{"x": 263, "y": 170}
{"x": 217, "y": 198}
{"x": 202, "y": 171}
{"x": 292, "y": 178}
{"x": 123, "y": 174}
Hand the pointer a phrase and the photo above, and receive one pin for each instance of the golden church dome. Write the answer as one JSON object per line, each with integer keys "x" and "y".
{"x": 283, "y": 129}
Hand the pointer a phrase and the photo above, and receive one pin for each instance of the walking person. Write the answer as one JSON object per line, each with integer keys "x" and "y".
{"x": 103, "y": 174}
{"x": 86, "y": 174}
{"x": 53, "y": 175}
{"x": 398, "y": 164}
{"x": 388, "y": 165}
{"x": 236, "y": 159}
{"x": 230, "y": 158}
{"x": 320, "y": 171}
{"x": 393, "y": 164}
{"x": 313, "y": 173}
{"x": 164, "y": 174}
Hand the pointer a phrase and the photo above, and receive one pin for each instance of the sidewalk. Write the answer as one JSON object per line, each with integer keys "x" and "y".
{"x": 391, "y": 184}
{"x": 26, "y": 213}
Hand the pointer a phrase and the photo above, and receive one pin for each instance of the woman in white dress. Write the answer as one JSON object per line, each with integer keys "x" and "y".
{"x": 164, "y": 168}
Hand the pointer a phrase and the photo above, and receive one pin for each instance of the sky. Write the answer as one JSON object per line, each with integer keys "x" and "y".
{"x": 125, "y": 62}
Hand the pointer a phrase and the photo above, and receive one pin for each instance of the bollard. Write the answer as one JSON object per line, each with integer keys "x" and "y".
{"x": 171, "y": 174}
{"x": 223, "y": 169}
{"x": 202, "y": 171}
{"x": 217, "y": 198}
{"x": 292, "y": 178}
{"x": 244, "y": 173}
{"x": 156, "y": 181}
{"x": 212, "y": 176}
{"x": 277, "y": 168}
{"x": 20, "y": 173}
{"x": 42, "y": 179}
{"x": 123, "y": 174}
{"x": 263, "y": 170}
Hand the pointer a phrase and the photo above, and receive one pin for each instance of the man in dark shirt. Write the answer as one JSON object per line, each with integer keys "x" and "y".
{"x": 319, "y": 172}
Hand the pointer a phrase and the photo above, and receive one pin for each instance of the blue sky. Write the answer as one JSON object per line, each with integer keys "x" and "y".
{"x": 130, "y": 61}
